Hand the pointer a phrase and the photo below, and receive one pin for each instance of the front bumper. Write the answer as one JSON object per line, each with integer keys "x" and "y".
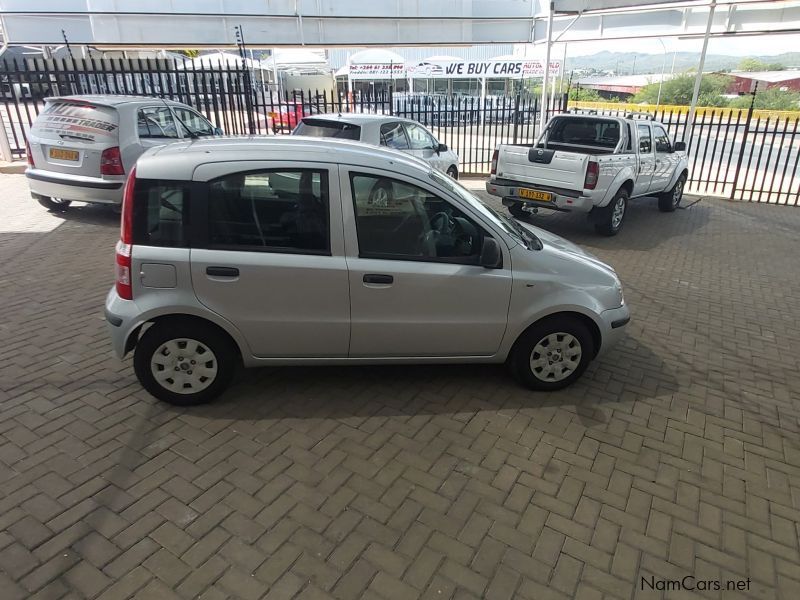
{"x": 75, "y": 187}
{"x": 562, "y": 202}
{"x": 613, "y": 326}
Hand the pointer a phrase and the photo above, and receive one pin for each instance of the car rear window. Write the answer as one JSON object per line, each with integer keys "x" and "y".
{"x": 328, "y": 129}
{"x": 77, "y": 120}
{"x": 600, "y": 133}
{"x": 160, "y": 210}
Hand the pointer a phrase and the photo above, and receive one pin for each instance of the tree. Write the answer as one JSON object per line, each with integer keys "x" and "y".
{"x": 582, "y": 94}
{"x": 753, "y": 64}
{"x": 678, "y": 90}
{"x": 771, "y": 99}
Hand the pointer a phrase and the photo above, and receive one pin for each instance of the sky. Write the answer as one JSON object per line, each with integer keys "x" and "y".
{"x": 743, "y": 46}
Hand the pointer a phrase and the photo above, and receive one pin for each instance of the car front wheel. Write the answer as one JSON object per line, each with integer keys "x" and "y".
{"x": 552, "y": 353}
{"x": 184, "y": 363}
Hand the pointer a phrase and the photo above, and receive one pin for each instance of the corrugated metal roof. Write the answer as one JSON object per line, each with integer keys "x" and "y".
{"x": 337, "y": 57}
{"x": 769, "y": 76}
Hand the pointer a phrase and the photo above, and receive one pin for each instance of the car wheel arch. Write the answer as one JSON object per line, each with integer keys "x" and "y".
{"x": 584, "y": 318}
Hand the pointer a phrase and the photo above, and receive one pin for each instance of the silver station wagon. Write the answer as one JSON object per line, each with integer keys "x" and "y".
{"x": 293, "y": 250}
{"x": 81, "y": 147}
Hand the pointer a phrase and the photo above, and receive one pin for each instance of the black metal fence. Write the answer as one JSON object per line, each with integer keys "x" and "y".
{"x": 739, "y": 154}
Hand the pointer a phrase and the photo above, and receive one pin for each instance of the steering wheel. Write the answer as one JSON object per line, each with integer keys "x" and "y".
{"x": 442, "y": 223}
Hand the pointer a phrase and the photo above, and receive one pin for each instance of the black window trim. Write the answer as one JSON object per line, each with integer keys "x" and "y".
{"x": 202, "y": 231}
{"x": 410, "y": 257}
{"x": 666, "y": 137}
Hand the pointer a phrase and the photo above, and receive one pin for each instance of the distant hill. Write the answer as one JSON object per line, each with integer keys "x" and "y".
{"x": 622, "y": 63}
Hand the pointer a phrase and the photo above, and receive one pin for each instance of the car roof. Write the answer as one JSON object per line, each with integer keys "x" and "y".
{"x": 178, "y": 160}
{"x": 112, "y": 99}
{"x": 355, "y": 118}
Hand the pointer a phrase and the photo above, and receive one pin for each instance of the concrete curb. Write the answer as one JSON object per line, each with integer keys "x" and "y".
{"x": 15, "y": 167}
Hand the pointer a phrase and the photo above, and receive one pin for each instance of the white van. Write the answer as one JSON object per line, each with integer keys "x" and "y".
{"x": 81, "y": 147}
{"x": 293, "y": 250}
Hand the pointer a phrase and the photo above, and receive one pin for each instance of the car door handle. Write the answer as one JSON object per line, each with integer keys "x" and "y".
{"x": 222, "y": 271}
{"x": 377, "y": 278}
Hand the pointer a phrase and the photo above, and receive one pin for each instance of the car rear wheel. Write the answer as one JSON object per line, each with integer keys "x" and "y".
{"x": 671, "y": 199}
{"x": 53, "y": 204}
{"x": 184, "y": 363}
{"x": 611, "y": 217}
{"x": 552, "y": 353}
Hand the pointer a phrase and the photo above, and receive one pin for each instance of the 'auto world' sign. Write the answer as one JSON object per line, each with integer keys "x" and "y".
{"x": 494, "y": 69}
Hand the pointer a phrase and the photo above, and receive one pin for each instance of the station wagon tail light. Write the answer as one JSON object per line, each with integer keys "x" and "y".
{"x": 592, "y": 175}
{"x": 111, "y": 162}
{"x": 125, "y": 243}
{"x": 28, "y": 152}
{"x": 495, "y": 154}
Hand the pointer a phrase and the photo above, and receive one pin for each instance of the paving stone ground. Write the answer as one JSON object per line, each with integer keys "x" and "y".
{"x": 676, "y": 455}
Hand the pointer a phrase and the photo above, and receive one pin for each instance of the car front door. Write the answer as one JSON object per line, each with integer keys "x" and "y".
{"x": 156, "y": 126}
{"x": 666, "y": 160}
{"x": 416, "y": 288}
{"x": 647, "y": 160}
{"x": 423, "y": 145}
{"x": 271, "y": 256}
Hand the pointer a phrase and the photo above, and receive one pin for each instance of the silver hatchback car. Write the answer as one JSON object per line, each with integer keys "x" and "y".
{"x": 293, "y": 250}
{"x": 81, "y": 147}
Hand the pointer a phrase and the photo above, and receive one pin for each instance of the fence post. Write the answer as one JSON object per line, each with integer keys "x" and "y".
{"x": 744, "y": 141}
{"x": 391, "y": 100}
{"x": 516, "y": 116}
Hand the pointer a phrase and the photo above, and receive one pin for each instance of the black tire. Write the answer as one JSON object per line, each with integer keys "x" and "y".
{"x": 606, "y": 221}
{"x": 223, "y": 351}
{"x": 53, "y": 204}
{"x": 452, "y": 172}
{"x": 537, "y": 378}
{"x": 671, "y": 199}
{"x": 517, "y": 212}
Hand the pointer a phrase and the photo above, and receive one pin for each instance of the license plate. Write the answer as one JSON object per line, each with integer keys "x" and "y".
{"x": 63, "y": 154}
{"x": 534, "y": 195}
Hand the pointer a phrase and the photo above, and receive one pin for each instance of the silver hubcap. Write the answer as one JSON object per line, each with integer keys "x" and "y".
{"x": 677, "y": 193}
{"x": 556, "y": 357}
{"x": 619, "y": 212}
{"x": 184, "y": 366}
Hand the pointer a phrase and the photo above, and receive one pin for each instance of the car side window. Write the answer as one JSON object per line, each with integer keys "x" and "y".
{"x": 401, "y": 221}
{"x": 662, "y": 140}
{"x": 394, "y": 136}
{"x": 156, "y": 122}
{"x": 419, "y": 138}
{"x": 160, "y": 213}
{"x": 282, "y": 210}
{"x": 198, "y": 124}
{"x": 645, "y": 139}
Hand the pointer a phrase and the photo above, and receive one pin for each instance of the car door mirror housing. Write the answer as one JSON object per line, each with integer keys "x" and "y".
{"x": 491, "y": 255}
{"x": 441, "y": 148}
{"x": 679, "y": 147}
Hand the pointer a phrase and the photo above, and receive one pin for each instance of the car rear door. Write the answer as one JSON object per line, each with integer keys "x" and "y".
{"x": 270, "y": 257}
{"x": 416, "y": 287}
{"x": 69, "y": 136}
{"x": 647, "y": 160}
{"x": 666, "y": 160}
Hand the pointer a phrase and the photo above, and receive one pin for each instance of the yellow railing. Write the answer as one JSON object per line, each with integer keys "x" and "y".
{"x": 675, "y": 109}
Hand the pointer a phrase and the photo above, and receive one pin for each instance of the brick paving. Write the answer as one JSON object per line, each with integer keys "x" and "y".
{"x": 677, "y": 454}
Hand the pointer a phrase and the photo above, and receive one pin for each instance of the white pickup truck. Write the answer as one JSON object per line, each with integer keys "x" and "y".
{"x": 591, "y": 164}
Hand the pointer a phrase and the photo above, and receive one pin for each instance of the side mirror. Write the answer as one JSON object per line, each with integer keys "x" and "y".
{"x": 491, "y": 255}
{"x": 441, "y": 148}
{"x": 218, "y": 131}
{"x": 679, "y": 147}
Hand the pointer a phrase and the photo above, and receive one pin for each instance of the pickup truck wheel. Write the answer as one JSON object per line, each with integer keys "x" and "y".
{"x": 671, "y": 199}
{"x": 53, "y": 204}
{"x": 183, "y": 363}
{"x": 552, "y": 354}
{"x": 611, "y": 217}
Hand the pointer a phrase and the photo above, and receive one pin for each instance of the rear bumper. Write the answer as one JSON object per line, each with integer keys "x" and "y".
{"x": 508, "y": 192}
{"x": 74, "y": 187}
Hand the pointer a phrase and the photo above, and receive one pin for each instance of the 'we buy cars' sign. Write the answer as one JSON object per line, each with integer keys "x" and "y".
{"x": 499, "y": 69}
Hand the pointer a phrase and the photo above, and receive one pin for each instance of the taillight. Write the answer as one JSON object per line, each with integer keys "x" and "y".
{"x": 111, "y": 162}
{"x": 28, "y": 152}
{"x": 495, "y": 154}
{"x": 125, "y": 243}
{"x": 592, "y": 174}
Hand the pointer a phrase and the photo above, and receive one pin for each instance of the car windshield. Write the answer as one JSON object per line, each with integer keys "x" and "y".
{"x": 509, "y": 225}
{"x": 328, "y": 129}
